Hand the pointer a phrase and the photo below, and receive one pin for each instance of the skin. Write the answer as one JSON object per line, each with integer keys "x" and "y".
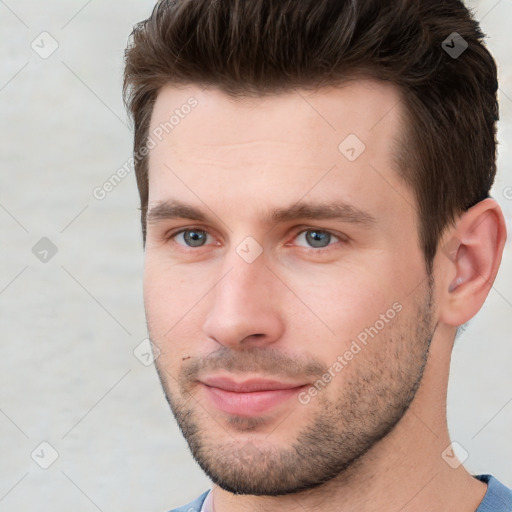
{"x": 371, "y": 439}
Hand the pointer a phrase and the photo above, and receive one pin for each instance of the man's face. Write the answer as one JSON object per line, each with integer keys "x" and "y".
{"x": 269, "y": 282}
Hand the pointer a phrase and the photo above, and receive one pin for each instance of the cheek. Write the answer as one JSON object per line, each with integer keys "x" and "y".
{"x": 167, "y": 296}
{"x": 174, "y": 300}
{"x": 352, "y": 309}
{"x": 342, "y": 301}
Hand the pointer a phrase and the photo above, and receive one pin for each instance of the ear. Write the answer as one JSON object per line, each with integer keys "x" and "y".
{"x": 470, "y": 259}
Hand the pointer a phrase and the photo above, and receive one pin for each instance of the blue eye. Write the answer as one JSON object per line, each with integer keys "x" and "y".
{"x": 309, "y": 238}
{"x": 192, "y": 237}
{"x": 317, "y": 238}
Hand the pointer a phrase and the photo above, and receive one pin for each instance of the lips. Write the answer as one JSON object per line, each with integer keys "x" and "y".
{"x": 248, "y": 385}
{"x": 248, "y": 398}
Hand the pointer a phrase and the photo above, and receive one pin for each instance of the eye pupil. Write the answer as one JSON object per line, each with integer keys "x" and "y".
{"x": 194, "y": 238}
{"x": 318, "y": 238}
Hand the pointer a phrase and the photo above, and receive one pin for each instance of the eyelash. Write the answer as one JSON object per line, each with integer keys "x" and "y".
{"x": 340, "y": 238}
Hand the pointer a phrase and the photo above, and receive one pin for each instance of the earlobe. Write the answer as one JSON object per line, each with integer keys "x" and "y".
{"x": 472, "y": 257}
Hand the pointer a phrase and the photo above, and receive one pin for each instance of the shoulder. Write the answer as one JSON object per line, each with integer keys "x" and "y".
{"x": 498, "y": 497}
{"x": 193, "y": 506}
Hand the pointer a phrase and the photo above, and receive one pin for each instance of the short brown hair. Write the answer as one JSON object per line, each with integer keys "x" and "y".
{"x": 447, "y": 153}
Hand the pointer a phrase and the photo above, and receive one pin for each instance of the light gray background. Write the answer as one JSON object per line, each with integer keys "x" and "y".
{"x": 69, "y": 326}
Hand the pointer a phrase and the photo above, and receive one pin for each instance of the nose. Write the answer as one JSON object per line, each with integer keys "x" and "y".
{"x": 244, "y": 306}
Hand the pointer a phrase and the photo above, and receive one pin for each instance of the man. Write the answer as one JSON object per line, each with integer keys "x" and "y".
{"x": 314, "y": 179}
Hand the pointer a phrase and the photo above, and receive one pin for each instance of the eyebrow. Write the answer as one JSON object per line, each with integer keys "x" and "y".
{"x": 337, "y": 210}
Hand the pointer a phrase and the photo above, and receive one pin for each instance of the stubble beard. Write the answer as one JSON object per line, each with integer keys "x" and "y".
{"x": 372, "y": 401}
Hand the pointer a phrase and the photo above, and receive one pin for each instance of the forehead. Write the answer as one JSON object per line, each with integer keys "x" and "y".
{"x": 367, "y": 107}
{"x": 207, "y": 143}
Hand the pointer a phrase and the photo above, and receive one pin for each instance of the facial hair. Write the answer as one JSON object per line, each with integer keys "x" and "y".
{"x": 380, "y": 384}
